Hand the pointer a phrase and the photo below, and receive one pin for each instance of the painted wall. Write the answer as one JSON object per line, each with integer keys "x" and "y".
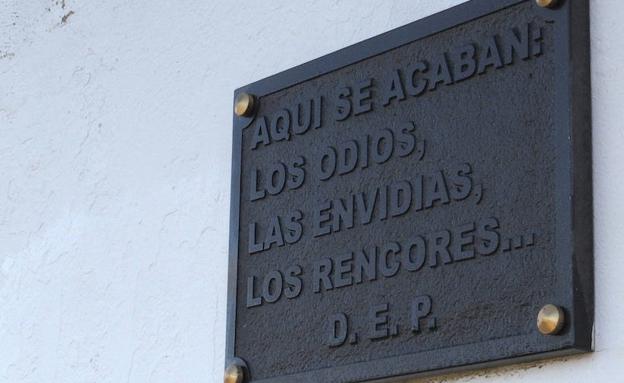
{"x": 115, "y": 134}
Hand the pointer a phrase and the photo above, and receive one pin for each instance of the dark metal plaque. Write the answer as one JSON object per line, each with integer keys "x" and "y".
{"x": 407, "y": 205}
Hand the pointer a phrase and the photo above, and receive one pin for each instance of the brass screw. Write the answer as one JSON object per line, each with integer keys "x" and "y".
{"x": 244, "y": 105}
{"x": 234, "y": 374}
{"x": 550, "y": 320}
{"x": 547, "y": 3}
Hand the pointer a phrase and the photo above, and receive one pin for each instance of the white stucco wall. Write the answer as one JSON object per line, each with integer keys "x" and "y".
{"x": 115, "y": 135}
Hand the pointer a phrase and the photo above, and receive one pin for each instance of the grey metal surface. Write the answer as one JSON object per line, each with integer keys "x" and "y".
{"x": 417, "y": 226}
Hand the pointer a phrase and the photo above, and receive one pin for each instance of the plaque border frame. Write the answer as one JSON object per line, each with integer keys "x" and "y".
{"x": 574, "y": 191}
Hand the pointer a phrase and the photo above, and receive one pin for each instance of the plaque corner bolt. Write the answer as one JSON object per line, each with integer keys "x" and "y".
{"x": 245, "y": 104}
{"x": 550, "y": 319}
{"x": 547, "y": 3}
{"x": 234, "y": 373}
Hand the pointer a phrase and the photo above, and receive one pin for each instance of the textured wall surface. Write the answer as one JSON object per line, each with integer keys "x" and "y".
{"x": 115, "y": 134}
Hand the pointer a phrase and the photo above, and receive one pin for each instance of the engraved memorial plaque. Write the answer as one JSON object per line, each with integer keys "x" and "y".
{"x": 409, "y": 204}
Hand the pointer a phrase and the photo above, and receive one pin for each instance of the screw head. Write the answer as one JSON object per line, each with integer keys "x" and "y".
{"x": 234, "y": 374}
{"x": 547, "y": 3}
{"x": 244, "y": 105}
{"x": 550, "y": 320}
